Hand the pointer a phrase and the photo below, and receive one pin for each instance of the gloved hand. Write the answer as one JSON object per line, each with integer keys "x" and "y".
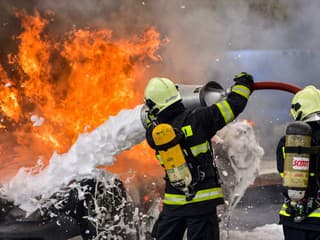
{"x": 244, "y": 79}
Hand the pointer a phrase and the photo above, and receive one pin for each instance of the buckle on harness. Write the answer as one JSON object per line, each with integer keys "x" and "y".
{"x": 317, "y": 200}
{"x": 190, "y": 193}
{"x": 200, "y": 175}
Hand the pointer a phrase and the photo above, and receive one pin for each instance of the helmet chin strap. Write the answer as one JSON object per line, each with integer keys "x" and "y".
{"x": 154, "y": 111}
{"x": 298, "y": 118}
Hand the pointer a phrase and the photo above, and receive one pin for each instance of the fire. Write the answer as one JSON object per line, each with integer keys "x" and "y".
{"x": 73, "y": 82}
{"x": 250, "y": 123}
{"x": 9, "y": 97}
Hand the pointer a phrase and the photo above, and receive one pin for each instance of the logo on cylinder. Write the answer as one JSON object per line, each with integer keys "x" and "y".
{"x": 300, "y": 163}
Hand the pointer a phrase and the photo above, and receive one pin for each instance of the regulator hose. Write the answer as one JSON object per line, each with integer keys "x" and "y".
{"x": 277, "y": 86}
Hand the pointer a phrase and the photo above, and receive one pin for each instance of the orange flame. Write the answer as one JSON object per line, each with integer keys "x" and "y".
{"x": 250, "y": 123}
{"x": 9, "y": 97}
{"x": 73, "y": 83}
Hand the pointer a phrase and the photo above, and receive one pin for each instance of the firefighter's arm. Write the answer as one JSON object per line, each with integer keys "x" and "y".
{"x": 225, "y": 111}
{"x": 239, "y": 95}
{"x": 280, "y": 154}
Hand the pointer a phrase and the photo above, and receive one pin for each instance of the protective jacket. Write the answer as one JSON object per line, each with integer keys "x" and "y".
{"x": 312, "y": 222}
{"x": 199, "y": 126}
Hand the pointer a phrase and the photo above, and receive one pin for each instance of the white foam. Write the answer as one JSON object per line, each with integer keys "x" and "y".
{"x": 238, "y": 157}
{"x": 266, "y": 232}
{"x": 98, "y": 147}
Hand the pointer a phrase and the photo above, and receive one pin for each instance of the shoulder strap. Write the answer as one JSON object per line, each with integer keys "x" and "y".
{"x": 179, "y": 120}
{"x": 300, "y": 150}
{"x": 176, "y": 124}
{"x": 177, "y": 140}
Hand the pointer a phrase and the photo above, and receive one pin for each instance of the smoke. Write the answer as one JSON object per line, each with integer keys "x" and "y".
{"x": 202, "y": 34}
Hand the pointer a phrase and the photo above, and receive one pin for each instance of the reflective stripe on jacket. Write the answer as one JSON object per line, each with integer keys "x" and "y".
{"x": 315, "y": 213}
{"x": 202, "y": 195}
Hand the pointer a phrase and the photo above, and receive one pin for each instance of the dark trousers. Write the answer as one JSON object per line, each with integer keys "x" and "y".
{"x": 300, "y": 234}
{"x": 202, "y": 227}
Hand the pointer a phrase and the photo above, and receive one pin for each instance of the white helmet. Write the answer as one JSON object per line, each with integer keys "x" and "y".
{"x": 305, "y": 104}
{"x": 160, "y": 93}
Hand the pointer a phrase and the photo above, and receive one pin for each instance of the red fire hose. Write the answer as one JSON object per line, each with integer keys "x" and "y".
{"x": 277, "y": 86}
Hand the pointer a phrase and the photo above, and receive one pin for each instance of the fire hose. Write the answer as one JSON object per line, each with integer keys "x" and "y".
{"x": 276, "y": 86}
{"x": 205, "y": 95}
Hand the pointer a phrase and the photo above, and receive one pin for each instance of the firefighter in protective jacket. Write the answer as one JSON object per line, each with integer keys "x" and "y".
{"x": 189, "y": 203}
{"x": 300, "y": 213}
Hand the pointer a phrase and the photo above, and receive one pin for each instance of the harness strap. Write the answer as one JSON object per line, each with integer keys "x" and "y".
{"x": 299, "y": 150}
{"x": 175, "y": 141}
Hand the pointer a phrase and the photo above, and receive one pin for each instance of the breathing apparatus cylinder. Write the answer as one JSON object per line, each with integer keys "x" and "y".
{"x": 296, "y": 163}
{"x": 172, "y": 156}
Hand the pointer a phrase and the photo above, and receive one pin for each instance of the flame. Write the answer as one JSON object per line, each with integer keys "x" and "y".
{"x": 73, "y": 82}
{"x": 9, "y": 97}
{"x": 250, "y": 123}
{"x": 146, "y": 198}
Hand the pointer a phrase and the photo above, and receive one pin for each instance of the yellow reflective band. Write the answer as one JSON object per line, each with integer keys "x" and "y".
{"x": 226, "y": 111}
{"x": 283, "y": 211}
{"x": 312, "y": 174}
{"x": 187, "y": 130}
{"x": 315, "y": 213}
{"x": 282, "y": 174}
{"x": 283, "y": 152}
{"x": 159, "y": 159}
{"x": 202, "y": 195}
{"x": 241, "y": 90}
{"x": 200, "y": 148}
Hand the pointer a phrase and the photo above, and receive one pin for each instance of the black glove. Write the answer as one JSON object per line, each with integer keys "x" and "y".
{"x": 244, "y": 79}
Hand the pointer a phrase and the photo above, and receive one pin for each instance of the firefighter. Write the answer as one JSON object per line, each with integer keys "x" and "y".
{"x": 190, "y": 204}
{"x": 300, "y": 212}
